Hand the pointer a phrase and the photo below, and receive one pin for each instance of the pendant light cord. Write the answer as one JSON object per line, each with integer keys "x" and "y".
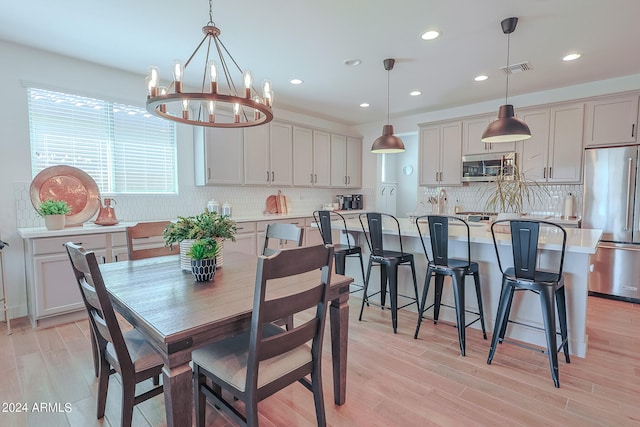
{"x": 388, "y": 96}
{"x": 506, "y": 95}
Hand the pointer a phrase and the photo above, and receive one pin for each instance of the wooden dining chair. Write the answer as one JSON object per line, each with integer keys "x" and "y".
{"x": 283, "y": 232}
{"x": 266, "y": 359}
{"x": 136, "y": 236}
{"x": 128, "y": 354}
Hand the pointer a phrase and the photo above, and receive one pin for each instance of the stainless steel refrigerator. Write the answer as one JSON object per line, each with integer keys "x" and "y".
{"x": 611, "y": 203}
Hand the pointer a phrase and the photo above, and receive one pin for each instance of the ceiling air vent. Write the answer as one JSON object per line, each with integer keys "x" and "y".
{"x": 517, "y": 68}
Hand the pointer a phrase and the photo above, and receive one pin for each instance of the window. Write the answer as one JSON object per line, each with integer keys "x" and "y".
{"x": 124, "y": 148}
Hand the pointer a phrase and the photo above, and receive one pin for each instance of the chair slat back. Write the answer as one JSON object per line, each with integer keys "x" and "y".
{"x": 269, "y": 304}
{"x": 287, "y": 232}
{"x": 146, "y": 230}
{"x": 97, "y": 301}
{"x": 374, "y": 235}
{"x": 324, "y": 219}
{"x": 439, "y": 229}
{"x": 525, "y": 236}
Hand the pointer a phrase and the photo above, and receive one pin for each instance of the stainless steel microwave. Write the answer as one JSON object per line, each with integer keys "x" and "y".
{"x": 485, "y": 167}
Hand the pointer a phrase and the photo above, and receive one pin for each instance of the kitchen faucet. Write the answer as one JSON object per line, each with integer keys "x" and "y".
{"x": 442, "y": 200}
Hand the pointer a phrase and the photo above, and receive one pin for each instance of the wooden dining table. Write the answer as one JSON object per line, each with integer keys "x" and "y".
{"x": 177, "y": 315}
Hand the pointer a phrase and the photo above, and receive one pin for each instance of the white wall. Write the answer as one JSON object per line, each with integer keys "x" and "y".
{"x": 23, "y": 66}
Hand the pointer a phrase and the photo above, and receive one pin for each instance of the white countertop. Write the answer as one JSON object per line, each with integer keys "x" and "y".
{"x": 578, "y": 239}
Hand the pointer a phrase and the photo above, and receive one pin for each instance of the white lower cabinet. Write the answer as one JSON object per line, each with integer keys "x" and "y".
{"x": 52, "y": 290}
{"x": 245, "y": 239}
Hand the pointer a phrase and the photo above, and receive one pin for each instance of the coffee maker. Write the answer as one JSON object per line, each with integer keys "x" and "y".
{"x": 357, "y": 201}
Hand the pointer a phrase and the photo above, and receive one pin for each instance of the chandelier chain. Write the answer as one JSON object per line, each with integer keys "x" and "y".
{"x": 506, "y": 95}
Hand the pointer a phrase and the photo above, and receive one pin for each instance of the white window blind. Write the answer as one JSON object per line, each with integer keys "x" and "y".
{"x": 124, "y": 148}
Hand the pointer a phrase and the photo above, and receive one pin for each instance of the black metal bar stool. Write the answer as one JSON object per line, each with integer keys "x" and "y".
{"x": 525, "y": 276}
{"x": 341, "y": 252}
{"x": 441, "y": 266}
{"x": 388, "y": 261}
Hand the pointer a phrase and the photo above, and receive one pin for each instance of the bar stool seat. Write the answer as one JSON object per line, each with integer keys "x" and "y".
{"x": 341, "y": 251}
{"x": 441, "y": 266}
{"x": 388, "y": 261}
{"x": 525, "y": 276}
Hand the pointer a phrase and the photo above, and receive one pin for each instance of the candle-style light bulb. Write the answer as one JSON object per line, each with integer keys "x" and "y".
{"x": 256, "y": 112}
{"x": 213, "y": 76}
{"x": 267, "y": 93}
{"x": 185, "y": 109}
{"x": 178, "y": 74}
{"x": 163, "y": 91}
{"x": 212, "y": 111}
{"x": 236, "y": 113}
{"x": 247, "y": 83}
{"x": 153, "y": 81}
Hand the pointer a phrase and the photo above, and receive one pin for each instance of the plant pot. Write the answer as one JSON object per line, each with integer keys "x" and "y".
{"x": 185, "y": 261}
{"x": 203, "y": 270}
{"x": 54, "y": 222}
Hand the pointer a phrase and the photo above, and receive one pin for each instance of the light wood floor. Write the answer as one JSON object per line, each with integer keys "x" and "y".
{"x": 393, "y": 380}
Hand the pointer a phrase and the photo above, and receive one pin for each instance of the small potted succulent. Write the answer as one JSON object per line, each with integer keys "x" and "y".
{"x": 53, "y": 212}
{"x": 203, "y": 259}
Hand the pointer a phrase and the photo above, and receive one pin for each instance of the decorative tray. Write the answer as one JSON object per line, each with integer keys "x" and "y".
{"x": 70, "y": 184}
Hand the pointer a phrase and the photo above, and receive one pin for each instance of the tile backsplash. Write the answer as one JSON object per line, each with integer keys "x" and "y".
{"x": 245, "y": 201}
{"x": 473, "y": 197}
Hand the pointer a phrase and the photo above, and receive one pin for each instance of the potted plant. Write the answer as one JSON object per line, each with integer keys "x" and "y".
{"x": 203, "y": 254}
{"x": 511, "y": 192}
{"x": 53, "y": 212}
{"x": 205, "y": 225}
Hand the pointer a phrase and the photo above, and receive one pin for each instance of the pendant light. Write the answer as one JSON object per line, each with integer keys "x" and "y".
{"x": 507, "y": 127}
{"x": 387, "y": 143}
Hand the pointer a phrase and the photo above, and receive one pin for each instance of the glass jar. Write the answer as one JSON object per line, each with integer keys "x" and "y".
{"x": 226, "y": 209}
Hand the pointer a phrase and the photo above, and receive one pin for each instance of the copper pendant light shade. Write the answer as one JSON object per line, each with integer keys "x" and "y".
{"x": 507, "y": 127}
{"x": 387, "y": 143}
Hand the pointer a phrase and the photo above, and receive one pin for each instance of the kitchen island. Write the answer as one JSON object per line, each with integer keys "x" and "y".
{"x": 581, "y": 243}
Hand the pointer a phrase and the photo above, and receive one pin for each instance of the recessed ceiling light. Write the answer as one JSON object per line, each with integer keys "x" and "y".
{"x": 429, "y": 35}
{"x": 481, "y": 78}
{"x": 295, "y": 81}
{"x": 352, "y": 62}
{"x": 365, "y": 105}
{"x": 415, "y": 93}
{"x": 571, "y": 57}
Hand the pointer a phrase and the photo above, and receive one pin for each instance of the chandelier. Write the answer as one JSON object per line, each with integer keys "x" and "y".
{"x": 213, "y": 107}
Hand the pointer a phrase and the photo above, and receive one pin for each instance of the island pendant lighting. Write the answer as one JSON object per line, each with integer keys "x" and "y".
{"x": 387, "y": 143}
{"x": 507, "y": 127}
{"x": 218, "y": 95}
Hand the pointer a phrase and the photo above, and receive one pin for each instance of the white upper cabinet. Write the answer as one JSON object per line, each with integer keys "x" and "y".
{"x": 346, "y": 162}
{"x": 268, "y": 154}
{"x": 533, "y": 152}
{"x": 218, "y": 156}
{"x": 472, "y": 130}
{"x": 611, "y": 120}
{"x": 554, "y": 151}
{"x": 311, "y": 157}
{"x": 565, "y": 143}
{"x": 441, "y": 154}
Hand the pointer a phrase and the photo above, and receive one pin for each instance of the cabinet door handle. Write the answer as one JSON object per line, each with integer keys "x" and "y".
{"x": 633, "y": 130}
{"x": 273, "y": 176}
{"x": 349, "y": 176}
{"x": 267, "y": 176}
{"x": 382, "y": 193}
{"x": 544, "y": 172}
{"x": 311, "y": 176}
{"x": 315, "y": 175}
{"x": 208, "y": 173}
{"x": 436, "y": 176}
{"x": 391, "y": 192}
{"x": 550, "y": 171}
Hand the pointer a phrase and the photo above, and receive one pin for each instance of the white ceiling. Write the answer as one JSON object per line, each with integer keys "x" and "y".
{"x": 311, "y": 39}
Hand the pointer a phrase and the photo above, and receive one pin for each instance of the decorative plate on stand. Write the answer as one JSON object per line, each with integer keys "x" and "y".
{"x": 70, "y": 184}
